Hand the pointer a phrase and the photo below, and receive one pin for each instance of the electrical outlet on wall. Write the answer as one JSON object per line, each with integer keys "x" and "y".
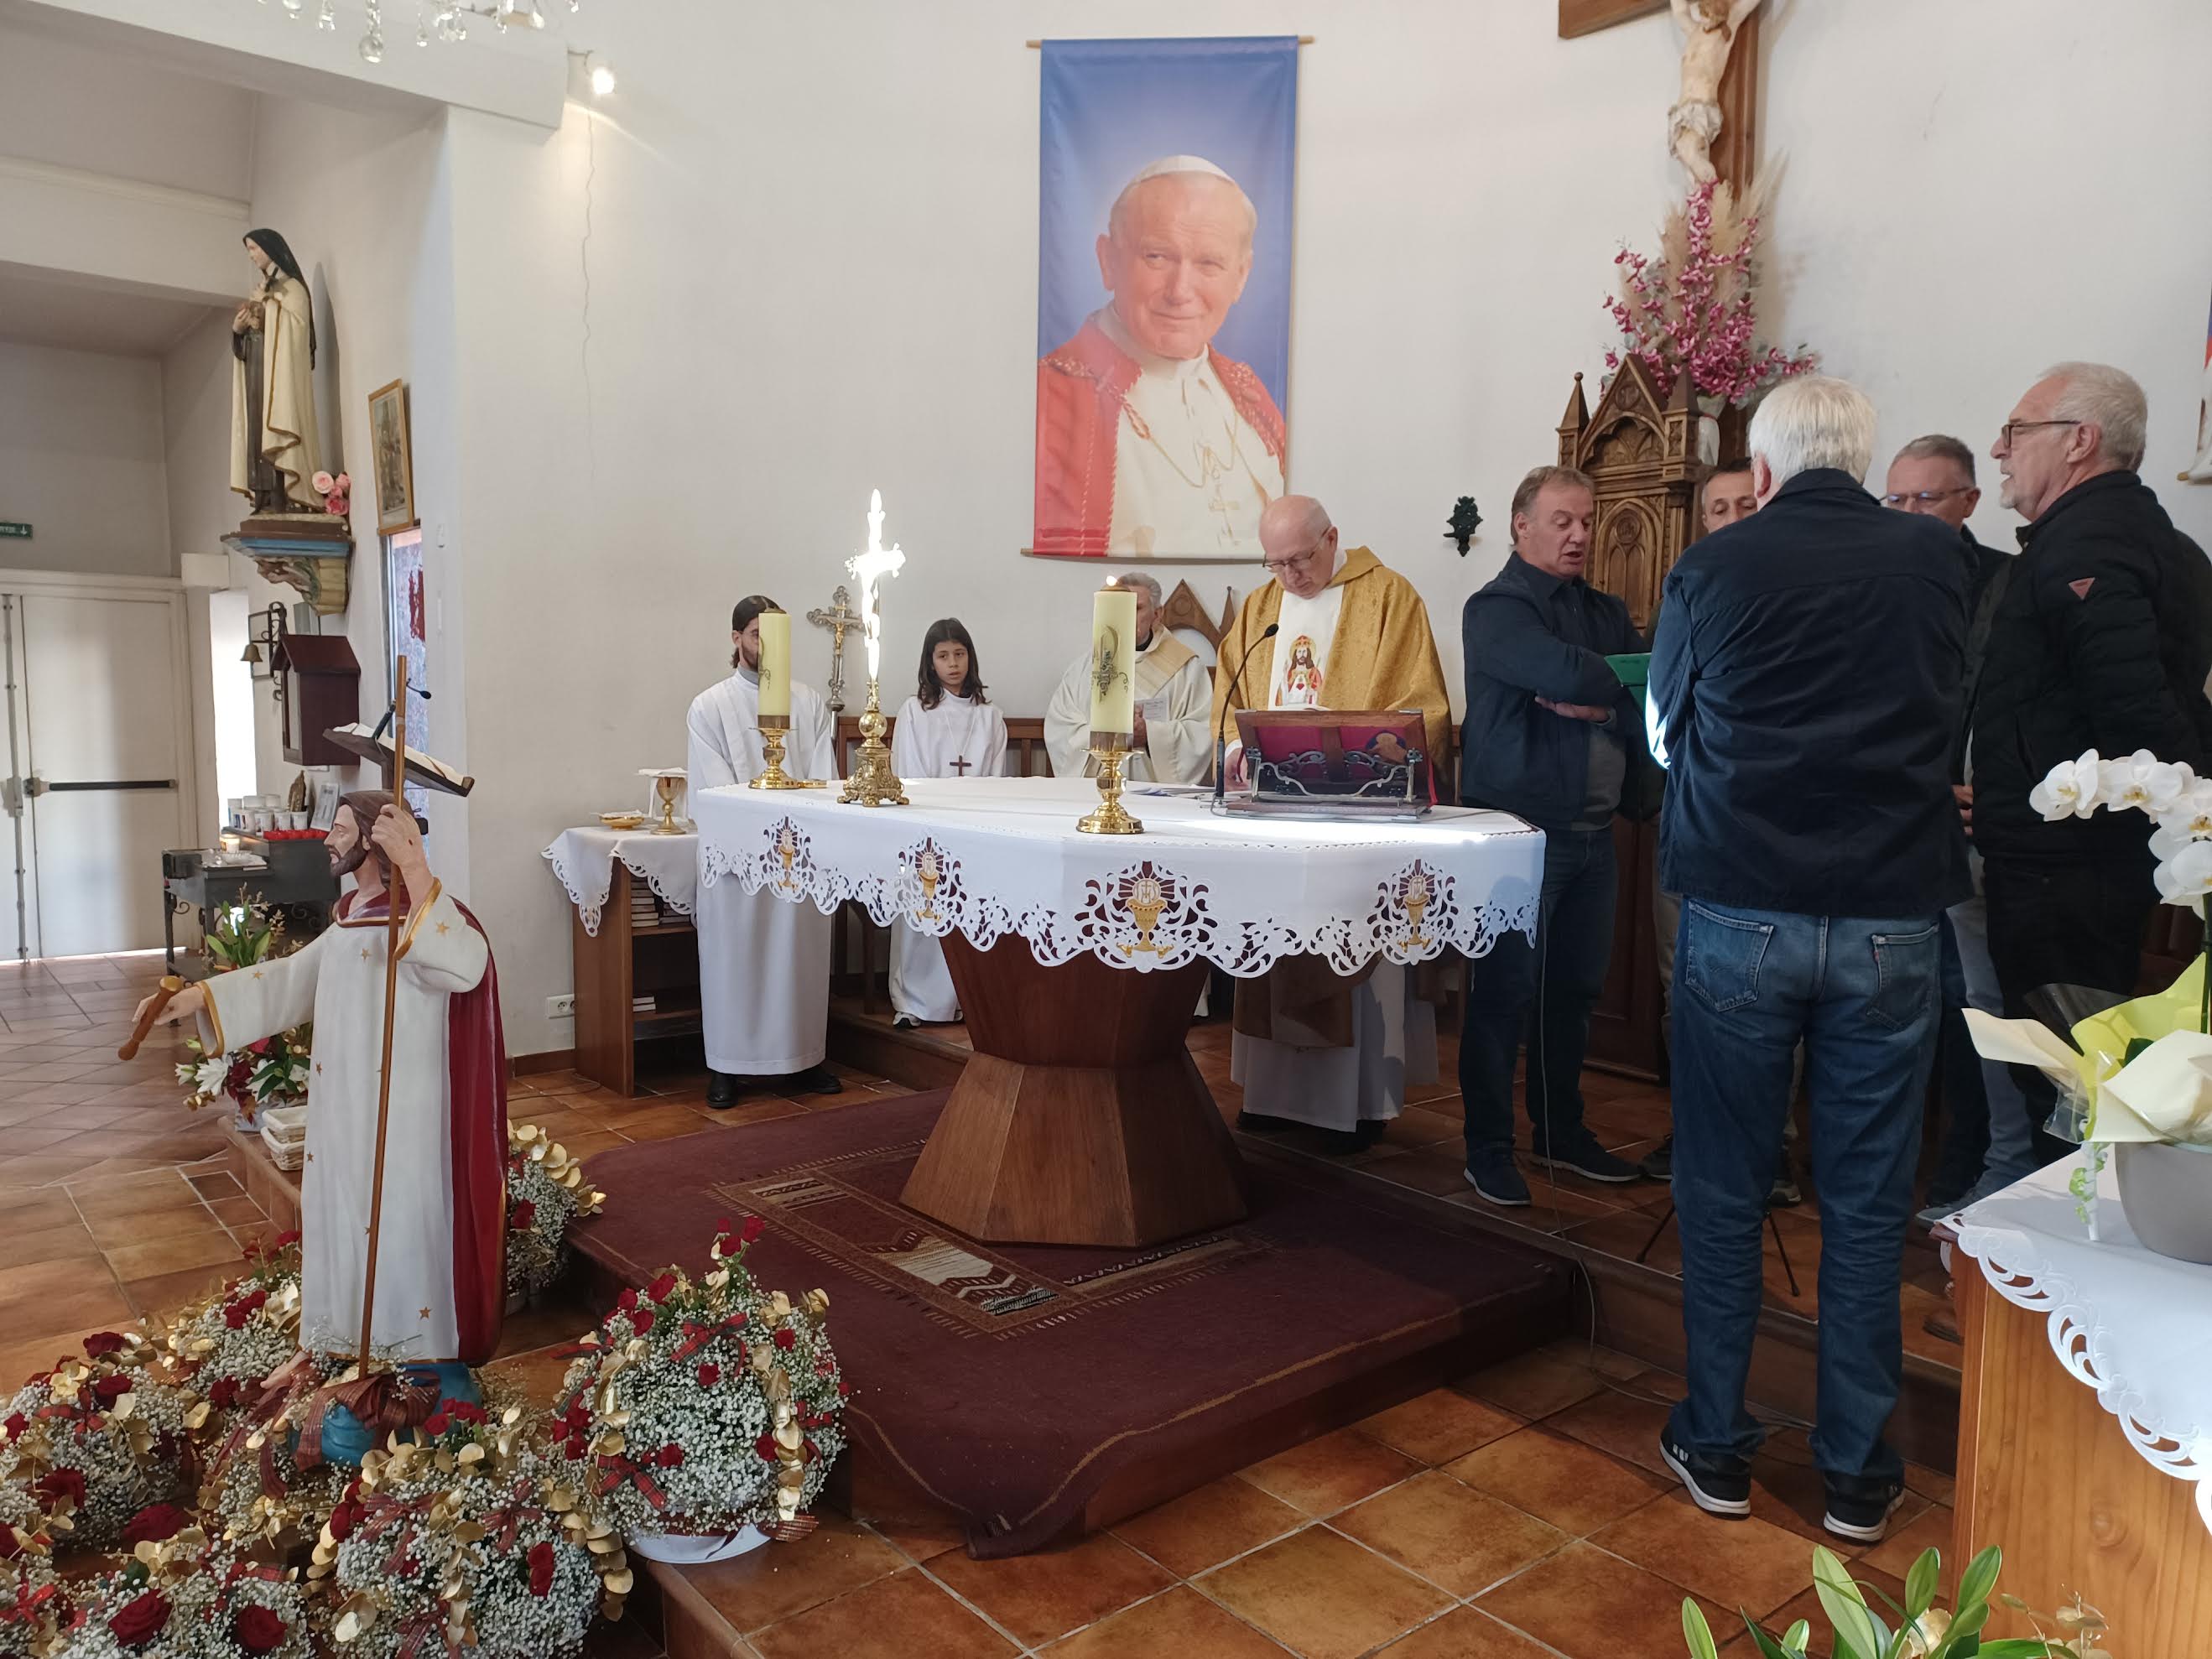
{"x": 562, "y": 1008}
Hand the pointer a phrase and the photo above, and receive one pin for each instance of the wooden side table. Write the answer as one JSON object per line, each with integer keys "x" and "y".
{"x": 620, "y": 963}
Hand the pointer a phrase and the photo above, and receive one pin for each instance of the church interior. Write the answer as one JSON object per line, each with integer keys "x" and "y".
{"x": 1212, "y": 1120}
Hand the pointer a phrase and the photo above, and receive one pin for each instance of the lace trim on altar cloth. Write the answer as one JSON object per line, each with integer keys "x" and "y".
{"x": 2018, "y": 1271}
{"x": 1144, "y": 915}
{"x": 590, "y": 906}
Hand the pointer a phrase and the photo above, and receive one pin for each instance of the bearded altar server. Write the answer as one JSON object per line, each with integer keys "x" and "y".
{"x": 1310, "y": 1048}
{"x": 947, "y": 729}
{"x": 763, "y": 964}
{"x": 273, "y": 441}
{"x": 441, "y": 1262}
{"x": 1171, "y": 682}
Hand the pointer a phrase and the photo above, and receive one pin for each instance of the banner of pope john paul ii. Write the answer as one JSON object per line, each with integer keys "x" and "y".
{"x": 1164, "y": 291}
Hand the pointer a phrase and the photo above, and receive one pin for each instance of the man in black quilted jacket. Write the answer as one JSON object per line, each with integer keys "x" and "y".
{"x": 2099, "y": 636}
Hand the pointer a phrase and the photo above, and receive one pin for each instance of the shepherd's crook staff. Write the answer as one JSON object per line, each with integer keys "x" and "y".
{"x": 391, "y": 889}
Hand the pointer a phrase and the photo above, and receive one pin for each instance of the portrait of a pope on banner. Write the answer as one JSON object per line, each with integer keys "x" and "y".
{"x": 1163, "y": 321}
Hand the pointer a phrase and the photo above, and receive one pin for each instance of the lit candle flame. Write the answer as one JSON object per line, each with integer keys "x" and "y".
{"x": 868, "y": 570}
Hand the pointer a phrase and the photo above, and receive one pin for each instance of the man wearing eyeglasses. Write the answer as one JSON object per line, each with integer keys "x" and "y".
{"x": 2100, "y": 639}
{"x": 1310, "y": 1048}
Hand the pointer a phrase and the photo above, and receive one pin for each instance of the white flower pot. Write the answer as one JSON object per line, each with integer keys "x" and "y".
{"x": 684, "y": 1549}
{"x": 2166, "y": 1191}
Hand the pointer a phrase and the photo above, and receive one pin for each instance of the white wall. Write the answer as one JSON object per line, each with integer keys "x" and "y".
{"x": 81, "y": 459}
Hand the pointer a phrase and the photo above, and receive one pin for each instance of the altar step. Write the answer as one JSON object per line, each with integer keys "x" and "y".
{"x": 1634, "y": 1307}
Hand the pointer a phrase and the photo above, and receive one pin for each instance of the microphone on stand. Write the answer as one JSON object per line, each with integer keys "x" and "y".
{"x": 1228, "y": 707}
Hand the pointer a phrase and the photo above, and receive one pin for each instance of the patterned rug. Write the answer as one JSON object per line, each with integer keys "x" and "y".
{"x": 1013, "y": 1383}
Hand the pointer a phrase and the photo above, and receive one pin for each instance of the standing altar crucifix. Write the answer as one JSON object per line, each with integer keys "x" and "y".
{"x": 872, "y": 782}
{"x": 839, "y": 617}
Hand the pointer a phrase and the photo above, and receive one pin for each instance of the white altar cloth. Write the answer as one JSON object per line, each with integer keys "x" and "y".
{"x": 583, "y": 861}
{"x": 995, "y": 856}
{"x": 2130, "y": 1324}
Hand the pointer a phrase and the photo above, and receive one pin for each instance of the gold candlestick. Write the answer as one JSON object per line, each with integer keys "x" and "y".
{"x": 874, "y": 783}
{"x": 1112, "y": 818}
{"x": 773, "y": 777}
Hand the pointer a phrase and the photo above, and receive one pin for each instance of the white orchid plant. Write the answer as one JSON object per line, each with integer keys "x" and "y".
{"x": 2167, "y": 791}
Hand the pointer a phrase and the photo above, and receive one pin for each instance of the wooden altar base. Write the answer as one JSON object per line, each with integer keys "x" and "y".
{"x": 1080, "y": 1118}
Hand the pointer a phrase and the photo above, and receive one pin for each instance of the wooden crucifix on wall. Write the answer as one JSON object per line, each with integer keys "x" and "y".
{"x": 1735, "y": 150}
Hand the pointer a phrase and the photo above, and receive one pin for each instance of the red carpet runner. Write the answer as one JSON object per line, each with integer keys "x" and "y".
{"x": 1014, "y": 1384}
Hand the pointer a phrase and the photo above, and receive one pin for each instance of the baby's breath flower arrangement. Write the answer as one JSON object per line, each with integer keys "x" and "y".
{"x": 463, "y": 1534}
{"x": 33, "y": 1603}
{"x": 702, "y": 1409}
{"x": 546, "y": 1191}
{"x": 227, "y": 1344}
{"x": 108, "y": 1435}
{"x": 179, "y": 1598}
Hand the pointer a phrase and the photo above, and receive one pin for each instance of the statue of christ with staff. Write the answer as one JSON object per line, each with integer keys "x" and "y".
{"x": 403, "y": 1193}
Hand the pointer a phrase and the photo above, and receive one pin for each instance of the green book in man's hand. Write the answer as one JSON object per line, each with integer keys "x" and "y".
{"x": 1633, "y": 669}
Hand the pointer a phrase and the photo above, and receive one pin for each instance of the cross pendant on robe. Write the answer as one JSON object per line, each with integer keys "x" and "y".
{"x": 961, "y": 764}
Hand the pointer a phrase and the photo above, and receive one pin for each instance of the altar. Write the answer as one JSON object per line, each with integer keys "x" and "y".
{"x": 1081, "y": 1119}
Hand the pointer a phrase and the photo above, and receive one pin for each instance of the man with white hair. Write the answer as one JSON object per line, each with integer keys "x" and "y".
{"x": 1148, "y": 441}
{"x": 1804, "y": 694}
{"x": 2100, "y": 638}
{"x": 1172, "y": 685}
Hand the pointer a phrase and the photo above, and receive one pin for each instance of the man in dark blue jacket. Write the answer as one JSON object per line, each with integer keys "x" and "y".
{"x": 1552, "y": 736}
{"x": 1806, "y": 694}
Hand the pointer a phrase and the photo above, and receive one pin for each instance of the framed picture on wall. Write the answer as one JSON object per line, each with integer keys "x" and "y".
{"x": 406, "y": 633}
{"x": 394, "y": 459}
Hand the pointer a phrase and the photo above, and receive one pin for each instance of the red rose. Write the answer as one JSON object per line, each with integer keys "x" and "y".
{"x": 641, "y": 1320}
{"x": 627, "y": 1300}
{"x": 576, "y": 1445}
{"x": 725, "y": 1227}
{"x": 541, "y": 1569}
{"x": 709, "y": 1376}
{"x": 466, "y": 1411}
{"x": 258, "y": 1630}
{"x": 103, "y": 1342}
{"x": 345, "y": 1517}
{"x": 786, "y": 1339}
{"x": 154, "y": 1523}
{"x": 54, "y": 1485}
{"x": 660, "y": 1287}
{"x": 110, "y": 1388}
{"x": 437, "y": 1425}
{"x": 670, "y": 1456}
{"x": 284, "y": 1240}
{"x": 140, "y": 1620}
{"x": 236, "y": 1314}
{"x": 11, "y": 1542}
{"x": 766, "y": 1447}
{"x": 15, "y": 1424}
{"x": 522, "y": 1216}
{"x": 222, "y": 1394}
{"x": 754, "y": 1228}
{"x": 844, "y": 1389}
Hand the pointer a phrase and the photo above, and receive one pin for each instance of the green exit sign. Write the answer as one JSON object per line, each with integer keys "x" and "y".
{"x": 21, "y": 531}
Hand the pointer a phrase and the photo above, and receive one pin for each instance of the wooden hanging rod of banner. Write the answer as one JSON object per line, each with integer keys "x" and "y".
{"x": 1038, "y": 45}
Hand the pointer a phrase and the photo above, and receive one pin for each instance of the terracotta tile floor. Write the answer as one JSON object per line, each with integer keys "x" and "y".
{"x": 1517, "y": 1514}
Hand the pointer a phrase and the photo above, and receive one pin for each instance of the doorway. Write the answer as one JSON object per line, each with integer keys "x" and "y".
{"x": 98, "y": 767}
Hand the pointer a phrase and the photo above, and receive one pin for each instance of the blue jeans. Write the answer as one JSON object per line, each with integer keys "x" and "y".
{"x": 1545, "y": 992}
{"x": 2012, "y": 1155}
{"x": 1863, "y": 996}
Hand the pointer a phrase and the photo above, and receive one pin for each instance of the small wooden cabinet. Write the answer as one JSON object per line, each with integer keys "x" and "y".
{"x": 627, "y": 962}
{"x": 318, "y": 688}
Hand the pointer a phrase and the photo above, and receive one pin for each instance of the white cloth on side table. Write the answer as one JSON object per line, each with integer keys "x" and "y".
{"x": 583, "y": 861}
{"x": 764, "y": 967}
{"x": 2132, "y": 1325}
{"x": 959, "y": 738}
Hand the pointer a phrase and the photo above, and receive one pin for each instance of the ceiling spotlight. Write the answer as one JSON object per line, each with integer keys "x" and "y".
{"x": 603, "y": 80}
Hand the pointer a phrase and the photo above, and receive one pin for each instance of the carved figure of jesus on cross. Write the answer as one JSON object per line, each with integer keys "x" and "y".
{"x": 839, "y": 617}
{"x": 1712, "y": 128}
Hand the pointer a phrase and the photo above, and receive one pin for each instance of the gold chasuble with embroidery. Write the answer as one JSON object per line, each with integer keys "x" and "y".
{"x": 1383, "y": 655}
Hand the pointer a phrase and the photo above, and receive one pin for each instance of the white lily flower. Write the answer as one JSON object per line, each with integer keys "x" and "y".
{"x": 2187, "y": 877}
{"x": 2071, "y": 790}
{"x": 2142, "y": 782}
{"x": 211, "y": 1073}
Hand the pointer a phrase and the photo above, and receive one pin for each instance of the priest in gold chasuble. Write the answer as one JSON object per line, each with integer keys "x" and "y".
{"x": 1312, "y": 1048}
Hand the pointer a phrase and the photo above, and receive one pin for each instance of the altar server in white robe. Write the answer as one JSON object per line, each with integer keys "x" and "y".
{"x": 1171, "y": 682}
{"x": 763, "y": 963}
{"x": 441, "y": 1282}
{"x": 948, "y": 729}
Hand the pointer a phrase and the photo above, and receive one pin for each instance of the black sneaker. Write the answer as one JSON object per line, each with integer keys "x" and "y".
{"x": 1264, "y": 1123}
{"x": 1860, "y": 1509}
{"x": 1658, "y": 1164}
{"x": 1715, "y": 1486}
{"x": 1497, "y": 1181}
{"x": 815, "y": 1081}
{"x": 1580, "y": 1153}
